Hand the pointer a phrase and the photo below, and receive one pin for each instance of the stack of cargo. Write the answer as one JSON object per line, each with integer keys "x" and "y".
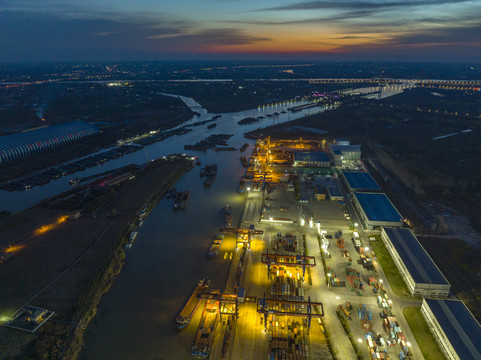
{"x": 404, "y": 347}
{"x": 365, "y": 317}
{"x": 287, "y": 288}
{"x": 353, "y": 277}
{"x": 287, "y": 339}
{"x": 288, "y": 242}
{"x": 377, "y": 355}
{"x": 366, "y": 262}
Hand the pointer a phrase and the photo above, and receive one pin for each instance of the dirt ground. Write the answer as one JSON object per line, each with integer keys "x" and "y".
{"x": 69, "y": 254}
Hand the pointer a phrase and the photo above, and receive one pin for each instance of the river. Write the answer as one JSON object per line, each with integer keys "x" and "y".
{"x": 136, "y": 318}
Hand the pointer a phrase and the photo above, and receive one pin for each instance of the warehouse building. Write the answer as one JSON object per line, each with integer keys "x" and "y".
{"x": 311, "y": 159}
{"x": 23, "y": 144}
{"x": 375, "y": 210}
{"x": 420, "y": 273}
{"x": 342, "y": 153}
{"x": 334, "y": 193}
{"x": 454, "y": 327}
{"x": 357, "y": 181}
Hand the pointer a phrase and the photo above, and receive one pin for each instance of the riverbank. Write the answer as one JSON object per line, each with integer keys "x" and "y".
{"x": 67, "y": 268}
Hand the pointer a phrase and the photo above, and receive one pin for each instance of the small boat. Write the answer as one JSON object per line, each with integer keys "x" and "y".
{"x": 244, "y": 147}
{"x": 210, "y": 179}
{"x": 211, "y": 126}
{"x": 170, "y": 192}
{"x": 74, "y": 182}
{"x": 202, "y": 172}
{"x": 198, "y": 163}
{"x": 185, "y": 199}
{"x": 215, "y": 246}
{"x": 133, "y": 236}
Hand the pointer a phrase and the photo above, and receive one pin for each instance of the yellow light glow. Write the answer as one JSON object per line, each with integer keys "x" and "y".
{"x": 13, "y": 248}
{"x": 47, "y": 228}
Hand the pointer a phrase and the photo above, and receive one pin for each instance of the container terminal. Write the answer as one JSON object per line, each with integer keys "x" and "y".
{"x": 270, "y": 306}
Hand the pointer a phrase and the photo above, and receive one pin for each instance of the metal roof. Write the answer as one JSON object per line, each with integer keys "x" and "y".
{"x": 378, "y": 207}
{"x": 358, "y": 180}
{"x": 459, "y": 325}
{"x": 16, "y": 146}
{"x": 419, "y": 264}
{"x": 311, "y": 156}
{"x": 334, "y": 191}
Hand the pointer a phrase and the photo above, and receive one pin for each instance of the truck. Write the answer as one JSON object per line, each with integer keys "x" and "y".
{"x": 241, "y": 295}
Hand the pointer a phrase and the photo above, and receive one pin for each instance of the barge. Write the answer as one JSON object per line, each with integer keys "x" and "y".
{"x": 192, "y": 304}
{"x": 205, "y": 333}
{"x": 228, "y": 216}
{"x": 244, "y": 161}
{"x": 215, "y": 246}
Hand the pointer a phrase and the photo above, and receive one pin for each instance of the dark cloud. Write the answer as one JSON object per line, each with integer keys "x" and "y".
{"x": 45, "y": 37}
{"x": 324, "y": 19}
{"x": 450, "y": 44}
{"x": 361, "y": 5}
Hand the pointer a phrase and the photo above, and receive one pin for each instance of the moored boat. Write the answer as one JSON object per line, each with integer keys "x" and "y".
{"x": 192, "y": 304}
{"x": 205, "y": 333}
{"x": 210, "y": 179}
{"x": 185, "y": 199}
{"x": 228, "y": 216}
{"x": 177, "y": 200}
{"x": 244, "y": 161}
{"x": 244, "y": 147}
{"x": 215, "y": 246}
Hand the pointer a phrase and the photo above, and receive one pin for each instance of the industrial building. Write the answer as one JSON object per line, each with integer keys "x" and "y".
{"x": 357, "y": 181}
{"x": 420, "y": 273}
{"x": 342, "y": 153}
{"x": 311, "y": 159}
{"x": 454, "y": 327}
{"x": 20, "y": 145}
{"x": 334, "y": 193}
{"x": 375, "y": 210}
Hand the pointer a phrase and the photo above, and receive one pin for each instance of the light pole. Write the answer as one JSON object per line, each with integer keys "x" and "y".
{"x": 359, "y": 347}
{"x": 329, "y": 279}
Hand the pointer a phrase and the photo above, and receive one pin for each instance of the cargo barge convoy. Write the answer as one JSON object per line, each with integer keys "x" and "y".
{"x": 215, "y": 246}
{"x": 205, "y": 333}
{"x": 192, "y": 304}
{"x": 181, "y": 199}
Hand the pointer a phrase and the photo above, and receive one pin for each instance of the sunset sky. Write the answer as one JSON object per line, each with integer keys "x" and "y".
{"x": 93, "y": 30}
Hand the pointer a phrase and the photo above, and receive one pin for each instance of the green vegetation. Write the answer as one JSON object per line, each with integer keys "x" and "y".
{"x": 459, "y": 263}
{"x": 390, "y": 269}
{"x": 347, "y": 329}
{"x": 424, "y": 338}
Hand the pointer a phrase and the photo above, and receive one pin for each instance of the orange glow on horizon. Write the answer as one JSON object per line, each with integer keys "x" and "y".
{"x": 307, "y": 42}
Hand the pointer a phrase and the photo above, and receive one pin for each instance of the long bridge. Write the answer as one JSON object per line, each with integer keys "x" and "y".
{"x": 461, "y": 84}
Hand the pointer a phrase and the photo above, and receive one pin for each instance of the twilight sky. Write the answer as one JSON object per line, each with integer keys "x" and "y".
{"x": 93, "y": 30}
